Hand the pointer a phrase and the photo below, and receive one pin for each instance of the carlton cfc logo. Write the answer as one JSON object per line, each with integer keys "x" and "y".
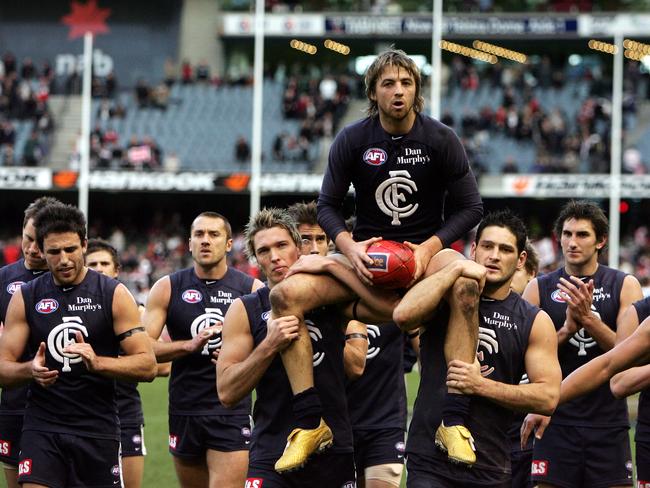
{"x": 558, "y": 296}
{"x": 47, "y": 305}
{"x": 192, "y": 296}
{"x": 375, "y": 157}
{"x": 14, "y": 287}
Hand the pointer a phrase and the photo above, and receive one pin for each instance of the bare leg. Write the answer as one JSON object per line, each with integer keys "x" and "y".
{"x": 227, "y": 469}
{"x": 298, "y": 295}
{"x": 462, "y": 332}
{"x": 11, "y": 476}
{"x": 191, "y": 473}
{"x": 384, "y": 475}
{"x": 132, "y": 471}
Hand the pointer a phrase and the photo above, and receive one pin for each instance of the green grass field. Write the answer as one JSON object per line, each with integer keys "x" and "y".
{"x": 159, "y": 471}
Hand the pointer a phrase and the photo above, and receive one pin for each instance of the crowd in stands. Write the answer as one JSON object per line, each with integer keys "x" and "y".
{"x": 139, "y": 153}
{"x": 24, "y": 93}
{"x": 564, "y": 143}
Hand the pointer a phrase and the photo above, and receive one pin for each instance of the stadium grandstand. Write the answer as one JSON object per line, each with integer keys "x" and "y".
{"x": 171, "y": 117}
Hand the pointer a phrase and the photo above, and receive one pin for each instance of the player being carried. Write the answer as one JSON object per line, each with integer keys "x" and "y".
{"x": 406, "y": 169}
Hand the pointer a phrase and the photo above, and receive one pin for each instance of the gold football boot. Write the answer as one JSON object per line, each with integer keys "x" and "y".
{"x": 301, "y": 444}
{"x": 457, "y": 442}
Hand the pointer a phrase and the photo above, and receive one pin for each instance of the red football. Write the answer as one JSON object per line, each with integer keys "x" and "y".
{"x": 393, "y": 266}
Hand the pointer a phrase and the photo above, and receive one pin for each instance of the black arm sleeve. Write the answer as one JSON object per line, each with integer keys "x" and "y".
{"x": 463, "y": 198}
{"x": 467, "y": 208}
{"x": 336, "y": 184}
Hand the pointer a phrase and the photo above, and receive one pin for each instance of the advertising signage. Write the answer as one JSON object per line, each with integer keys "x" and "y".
{"x": 454, "y": 25}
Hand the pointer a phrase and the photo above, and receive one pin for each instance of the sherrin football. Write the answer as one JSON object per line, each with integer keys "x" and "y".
{"x": 393, "y": 264}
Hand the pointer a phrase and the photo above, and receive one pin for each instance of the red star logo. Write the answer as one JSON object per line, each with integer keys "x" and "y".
{"x": 86, "y": 18}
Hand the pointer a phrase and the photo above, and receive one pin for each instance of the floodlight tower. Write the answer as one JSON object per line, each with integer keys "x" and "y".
{"x": 258, "y": 103}
{"x": 436, "y": 37}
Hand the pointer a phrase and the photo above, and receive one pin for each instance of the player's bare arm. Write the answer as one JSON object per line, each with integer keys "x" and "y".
{"x": 632, "y": 380}
{"x": 138, "y": 362}
{"x": 531, "y": 292}
{"x": 241, "y": 365}
{"x": 153, "y": 320}
{"x": 423, "y": 298}
{"x": 541, "y": 395}
{"x": 633, "y": 351}
{"x": 12, "y": 344}
{"x": 355, "y": 350}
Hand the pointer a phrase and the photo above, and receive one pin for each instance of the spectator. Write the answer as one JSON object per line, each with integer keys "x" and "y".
{"x": 142, "y": 93}
{"x": 202, "y": 72}
{"x": 242, "y": 150}
{"x": 160, "y": 96}
{"x": 8, "y": 157}
{"x": 33, "y": 153}
{"x": 7, "y": 133}
{"x": 447, "y": 119}
{"x": 510, "y": 166}
{"x": 110, "y": 85}
{"x": 171, "y": 72}
{"x": 27, "y": 71}
{"x": 186, "y": 72}
{"x": 278, "y": 146}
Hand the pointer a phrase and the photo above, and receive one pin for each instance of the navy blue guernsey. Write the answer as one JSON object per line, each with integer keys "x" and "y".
{"x": 194, "y": 305}
{"x": 272, "y": 414}
{"x": 402, "y": 184}
{"x": 79, "y": 402}
{"x": 12, "y": 277}
{"x": 643, "y": 420}
{"x": 377, "y": 400}
{"x": 599, "y": 408}
{"x": 504, "y": 330}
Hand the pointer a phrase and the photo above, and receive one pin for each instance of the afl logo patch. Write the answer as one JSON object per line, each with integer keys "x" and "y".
{"x": 246, "y": 432}
{"x": 400, "y": 446}
{"x": 375, "y": 156}
{"x": 47, "y": 305}
{"x": 192, "y": 296}
{"x": 379, "y": 261}
{"x": 559, "y": 296}
{"x": 14, "y": 287}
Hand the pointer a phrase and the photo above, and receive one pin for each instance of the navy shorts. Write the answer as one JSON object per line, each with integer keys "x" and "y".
{"x": 521, "y": 462}
{"x": 11, "y": 429}
{"x": 643, "y": 464}
{"x": 378, "y": 446}
{"x": 604, "y": 452}
{"x": 132, "y": 440}
{"x": 426, "y": 472}
{"x": 326, "y": 470}
{"x": 192, "y": 436}
{"x": 69, "y": 461}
